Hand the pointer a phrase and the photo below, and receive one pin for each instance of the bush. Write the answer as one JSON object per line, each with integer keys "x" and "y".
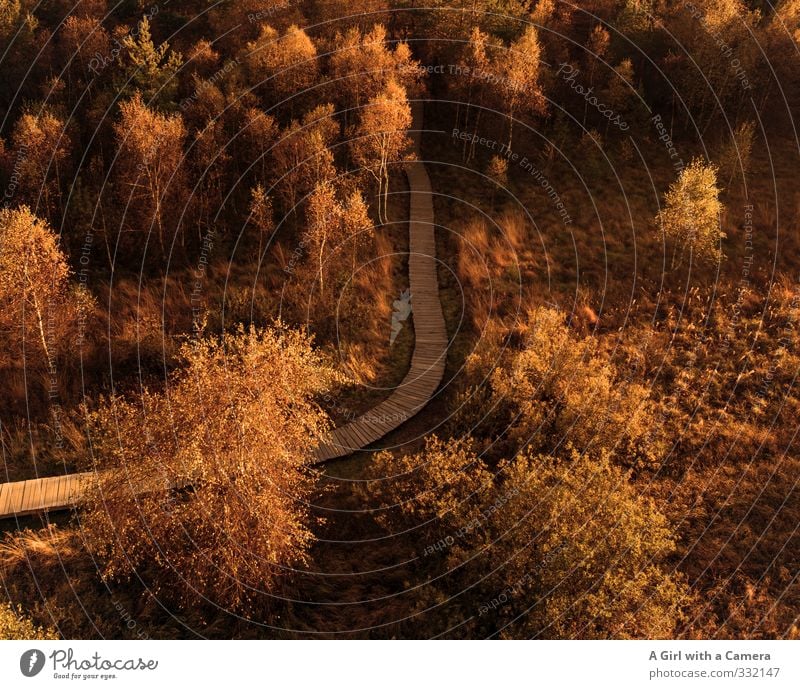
{"x": 15, "y": 626}
{"x": 205, "y": 488}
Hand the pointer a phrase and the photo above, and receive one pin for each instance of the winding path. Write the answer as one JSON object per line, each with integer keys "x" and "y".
{"x": 430, "y": 334}
{"x": 414, "y": 392}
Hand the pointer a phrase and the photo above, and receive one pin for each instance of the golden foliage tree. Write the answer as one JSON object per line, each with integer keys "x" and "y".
{"x": 363, "y": 64}
{"x": 18, "y": 25}
{"x": 736, "y": 151}
{"x": 80, "y": 40}
{"x": 282, "y": 66}
{"x": 578, "y": 554}
{"x": 690, "y": 218}
{"x": 518, "y": 70}
{"x": 558, "y": 390}
{"x": 41, "y": 147}
{"x": 302, "y": 157}
{"x": 332, "y": 225}
{"x": 14, "y": 625}
{"x": 149, "y": 167}
{"x": 720, "y": 70}
{"x": 552, "y": 548}
{"x": 205, "y": 486}
{"x": 439, "y": 490}
{"x": 381, "y": 138}
{"x": 260, "y": 216}
{"x": 34, "y": 282}
{"x": 258, "y": 133}
{"x": 473, "y": 89}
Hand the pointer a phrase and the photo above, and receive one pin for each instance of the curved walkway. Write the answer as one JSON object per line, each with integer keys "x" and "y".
{"x": 430, "y": 334}
{"x": 421, "y": 381}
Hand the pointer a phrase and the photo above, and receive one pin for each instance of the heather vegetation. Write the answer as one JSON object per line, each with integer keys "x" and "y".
{"x": 203, "y": 235}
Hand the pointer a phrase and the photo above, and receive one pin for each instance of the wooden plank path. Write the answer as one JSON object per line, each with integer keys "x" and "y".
{"x": 41, "y": 494}
{"x": 430, "y": 334}
{"x": 423, "y": 378}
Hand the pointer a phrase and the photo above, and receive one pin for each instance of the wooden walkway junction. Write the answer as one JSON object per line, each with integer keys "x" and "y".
{"x": 423, "y": 378}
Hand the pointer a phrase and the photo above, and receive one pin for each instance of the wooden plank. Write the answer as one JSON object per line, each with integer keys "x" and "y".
{"x": 33, "y": 495}
{"x": 17, "y": 490}
{"x": 5, "y": 492}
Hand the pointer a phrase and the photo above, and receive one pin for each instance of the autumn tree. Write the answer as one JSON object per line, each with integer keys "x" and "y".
{"x": 206, "y": 102}
{"x": 596, "y": 49}
{"x": 357, "y": 227}
{"x": 621, "y": 95}
{"x": 362, "y": 65}
{"x": 202, "y": 59}
{"x": 282, "y": 67}
{"x": 205, "y": 488}
{"x": 323, "y": 223}
{"x": 149, "y": 167}
{"x": 15, "y": 625}
{"x": 302, "y": 157}
{"x": 720, "y": 70}
{"x": 781, "y": 32}
{"x": 260, "y": 216}
{"x": 331, "y": 225}
{"x": 690, "y": 218}
{"x": 437, "y": 490}
{"x": 257, "y": 135}
{"x": 239, "y": 20}
{"x": 358, "y": 65}
{"x": 736, "y": 152}
{"x": 34, "y": 286}
{"x": 473, "y": 89}
{"x": 557, "y": 390}
{"x": 453, "y": 19}
{"x": 80, "y": 40}
{"x": 518, "y": 72}
{"x": 381, "y": 139}
{"x": 577, "y": 553}
{"x": 15, "y": 17}
{"x": 540, "y": 547}
{"x": 209, "y": 162}
{"x": 18, "y": 25}
{"x": 40, "y": 150}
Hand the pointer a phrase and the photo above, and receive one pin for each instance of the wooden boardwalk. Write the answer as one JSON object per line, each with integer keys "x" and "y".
{"x": 41, "y": 494}
{"x": 430, "y": 334}
{"x": 423, "y": 378}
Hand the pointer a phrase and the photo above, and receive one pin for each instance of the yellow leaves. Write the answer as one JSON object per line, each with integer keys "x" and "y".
{"x": 440, "y": 486}
{"x": 149, "y": 165}
{"x": 381, "y": 137}
{"x": 589, "y": 519}
{"x": 14, "y": 625}
{"x": 567, "y": 541}
{"x": 146, "y": 133}
{"x": 33, "y": 283}
{"x": 560, "y": 390}
{"x": 286, "y": 64}
{"x": 692, "y": 210}
{"x": 232, "y": 434}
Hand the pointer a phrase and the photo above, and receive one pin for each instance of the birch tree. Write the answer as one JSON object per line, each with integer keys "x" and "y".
{"x": 381, "y": 138}
{"x": 690, "y": 218}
